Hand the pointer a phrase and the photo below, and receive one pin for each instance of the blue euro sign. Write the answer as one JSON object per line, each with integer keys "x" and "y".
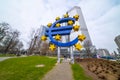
{"x": 63, "y": 30}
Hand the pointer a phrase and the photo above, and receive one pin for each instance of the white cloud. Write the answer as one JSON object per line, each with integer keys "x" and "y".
{"x": 94, "y": 9}
{"x": 104, "y": 29}
{"x": 27, "y": 14}
{"x": 101, "y": 16}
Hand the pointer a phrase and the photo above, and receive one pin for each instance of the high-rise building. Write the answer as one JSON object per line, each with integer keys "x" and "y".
{"x": 117, "y": 41}
{"x": 83, "y": 28}
{"x": 118, "y": 49}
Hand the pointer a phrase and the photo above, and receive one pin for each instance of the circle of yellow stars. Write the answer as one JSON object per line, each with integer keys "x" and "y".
{"x": 76, "y": 27}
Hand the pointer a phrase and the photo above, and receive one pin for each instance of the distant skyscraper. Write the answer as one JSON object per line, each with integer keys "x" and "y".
{"x": 83, "y": 28}
{"x": 117, "y": 41}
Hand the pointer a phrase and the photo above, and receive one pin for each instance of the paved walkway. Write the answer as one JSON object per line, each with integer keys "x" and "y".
{"x": 4, "y": 58}
{"x": 60, "y": 72}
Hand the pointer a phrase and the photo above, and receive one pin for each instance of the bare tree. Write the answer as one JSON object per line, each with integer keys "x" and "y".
{"x": 45, "y": 48}
{"x": 9, "y": 39}
{"x": 13, "y": 41}
{"x": 4, "y": 27}
{"x": 20, "y": 45}
{"x": 35, "y": 43}
{"x": 87, "y": 47}
{"x": 32, "y": 45}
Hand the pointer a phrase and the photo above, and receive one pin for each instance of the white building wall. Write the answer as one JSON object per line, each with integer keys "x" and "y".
{"x": 83, "y": 28}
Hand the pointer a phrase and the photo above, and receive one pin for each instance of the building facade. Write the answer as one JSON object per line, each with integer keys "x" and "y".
{"x": 118, "y": 49}
{"x": 83, "y": 28}
{"x": 103, "y": 52}
{"x": 117, "y": 41}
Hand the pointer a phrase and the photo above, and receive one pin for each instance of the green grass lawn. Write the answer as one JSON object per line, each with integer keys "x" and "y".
{"x": 23, "y": 68}
{"x": 7, "y": 55}
{"x": 78, "y": 73}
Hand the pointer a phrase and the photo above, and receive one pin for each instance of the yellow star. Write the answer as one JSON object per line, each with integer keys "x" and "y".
{"x": 52, "y": 47}
{"x": 76, "y": 17}
{"x": 57, "y": 18}
{"x": 49, "y": 24}
{"x": 58, "y": 37}
{"x": 81, "y": 37}
{"x": 58, "y": 25}
{"x": 76, "y": 27}
{"x": 70, "y": 22}
{"x": 78, "y": 46}
{"x": 66, "y": 16}
{"x": 43, "y": 38}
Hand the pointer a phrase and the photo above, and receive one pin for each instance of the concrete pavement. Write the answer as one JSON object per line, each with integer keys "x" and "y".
{"x": 4, "y": 58}
{"x": 61, "y": 71}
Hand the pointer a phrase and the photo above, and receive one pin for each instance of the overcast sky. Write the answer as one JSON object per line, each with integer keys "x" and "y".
{"x": 102, "y": 17}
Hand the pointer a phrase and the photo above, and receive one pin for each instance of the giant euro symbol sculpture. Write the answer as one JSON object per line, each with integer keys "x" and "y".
{"x": 56, "y": 30}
